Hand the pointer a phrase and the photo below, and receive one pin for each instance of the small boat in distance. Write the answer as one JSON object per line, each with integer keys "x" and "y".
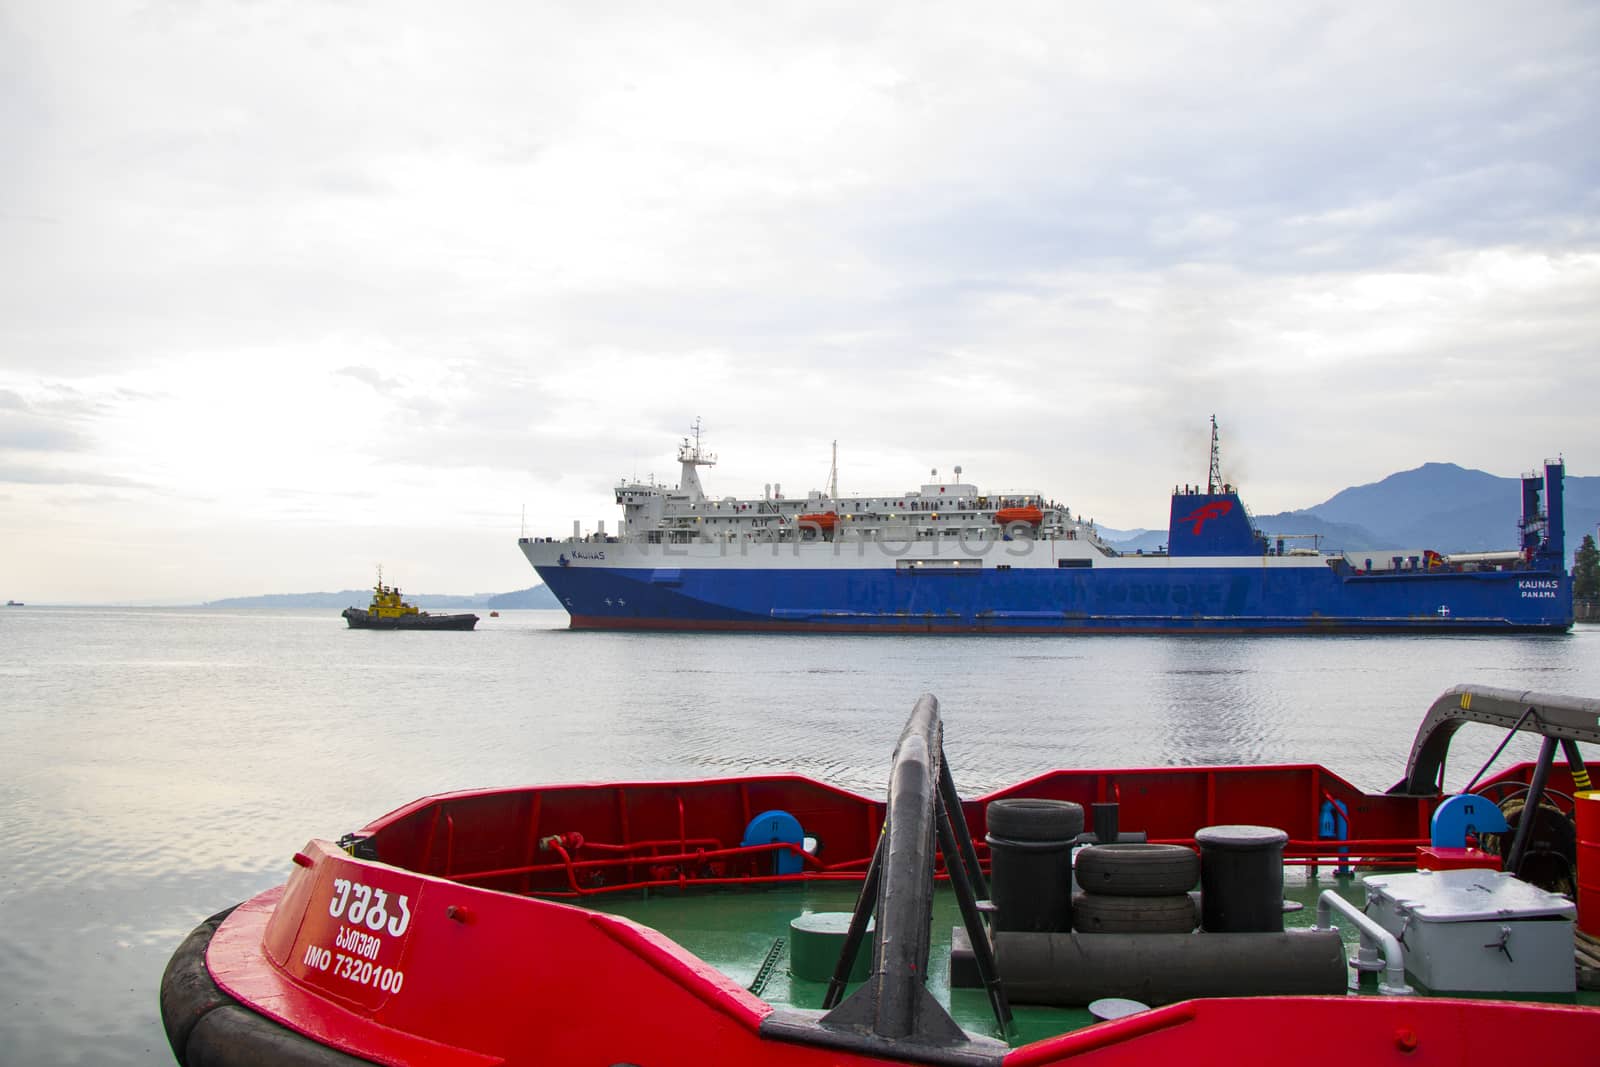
{"x": 389, "y": 612}
{"x": 14, "y": 604}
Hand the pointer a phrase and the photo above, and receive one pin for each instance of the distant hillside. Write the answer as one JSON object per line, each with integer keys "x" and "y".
{"x": 1430, "y": 488}
{"x": 537, "y": 596}
{"x": 1118, "y": 536}
{"x": 1298, "y": 527}
{"x": 1134, "y": 540}
{"x": 1452, "y": 509}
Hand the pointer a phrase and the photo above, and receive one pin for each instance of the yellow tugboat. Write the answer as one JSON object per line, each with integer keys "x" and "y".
{"x": 389, "y": 612}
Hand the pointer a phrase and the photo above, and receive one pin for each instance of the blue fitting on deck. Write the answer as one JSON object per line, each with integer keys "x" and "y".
{"x": 775, "y": 827}
{"x": 1467, "y": 813}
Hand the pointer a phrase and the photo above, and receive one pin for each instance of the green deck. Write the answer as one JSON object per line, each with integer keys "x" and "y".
{"x": 735, "y": 932}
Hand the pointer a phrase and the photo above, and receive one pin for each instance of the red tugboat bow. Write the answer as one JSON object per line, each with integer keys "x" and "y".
{"x": 779, "y": 920}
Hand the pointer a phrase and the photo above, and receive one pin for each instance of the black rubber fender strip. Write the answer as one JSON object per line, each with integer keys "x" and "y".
{"x": 235, "y": 1036}
{"x": 208, "y": 1028}
{"x": 188, "y": 992}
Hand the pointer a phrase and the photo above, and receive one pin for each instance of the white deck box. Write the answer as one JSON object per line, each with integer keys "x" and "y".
{"x": 1470, "y": 931}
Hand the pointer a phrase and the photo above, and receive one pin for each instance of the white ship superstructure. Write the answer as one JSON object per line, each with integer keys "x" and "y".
{"x": 937, "y": 510}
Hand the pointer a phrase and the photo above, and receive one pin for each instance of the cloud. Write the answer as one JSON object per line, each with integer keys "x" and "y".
{"x": 20, "y": 474}
{"x": 39, "y": 438}
{"x": 48, "y": 418}
{"x": 371, "y": 377}
{"x": 447, "y": 263}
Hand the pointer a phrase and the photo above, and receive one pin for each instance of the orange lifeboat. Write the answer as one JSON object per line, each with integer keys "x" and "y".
{"x": 1030, "y": 515}
{"x": 823, "y": 520}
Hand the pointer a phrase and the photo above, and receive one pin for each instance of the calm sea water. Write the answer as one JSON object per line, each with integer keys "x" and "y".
{"x": 159, "y": 765}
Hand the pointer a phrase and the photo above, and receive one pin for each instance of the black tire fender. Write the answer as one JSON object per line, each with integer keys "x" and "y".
{"x": 188, "y": 992}
{"x": 1034, "y": 819}
{"x": 1137, "y": 870}
{"x": 208, "y": 1028}
{"x": 1095, "y": 913}
{"x": 235, "y": 1036}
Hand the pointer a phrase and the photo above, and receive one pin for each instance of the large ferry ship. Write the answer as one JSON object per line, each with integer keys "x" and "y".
{"x": 948, "y": 557}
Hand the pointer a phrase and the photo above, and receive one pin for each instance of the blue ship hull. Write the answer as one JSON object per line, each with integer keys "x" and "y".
{"x": 1244, "y": 599}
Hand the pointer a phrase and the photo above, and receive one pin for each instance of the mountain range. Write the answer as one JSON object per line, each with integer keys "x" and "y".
{"x": 1438, "y": 505}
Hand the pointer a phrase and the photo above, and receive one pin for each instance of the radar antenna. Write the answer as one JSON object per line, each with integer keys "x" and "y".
{"x": 690, "y": 457}
{"x": 1214, "y": 480}
{"x": 694, "y": 454}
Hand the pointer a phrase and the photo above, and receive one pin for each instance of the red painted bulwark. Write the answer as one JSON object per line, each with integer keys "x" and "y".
{"x": 450, "y": 950}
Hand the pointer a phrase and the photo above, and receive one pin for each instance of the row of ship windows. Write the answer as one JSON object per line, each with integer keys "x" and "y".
{"x": 951, "y": 504}
{"x": 947, "y": 514}
{"x": 688, "y": 521}
{"x": 978, "y": 533}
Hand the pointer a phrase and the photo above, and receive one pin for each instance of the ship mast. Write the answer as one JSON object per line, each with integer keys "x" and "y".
{"x": 1214, "y": 480}
{"x": 833, "y": 475}
{"x": 692, "y": 456}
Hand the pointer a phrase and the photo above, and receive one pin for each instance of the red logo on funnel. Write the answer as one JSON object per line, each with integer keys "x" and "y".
{"x": 1213, "y": 510}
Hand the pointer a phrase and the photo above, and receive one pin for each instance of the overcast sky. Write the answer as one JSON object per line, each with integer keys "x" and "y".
{"x": 291, "y": 289}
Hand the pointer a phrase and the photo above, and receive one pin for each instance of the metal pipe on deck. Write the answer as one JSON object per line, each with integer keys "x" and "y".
{"x": 1373, "y": 939}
